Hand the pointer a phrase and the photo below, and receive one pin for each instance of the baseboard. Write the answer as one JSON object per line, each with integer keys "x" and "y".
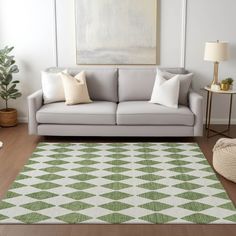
{"x": 24, "y": 119}
{"x": 222, "y": 121}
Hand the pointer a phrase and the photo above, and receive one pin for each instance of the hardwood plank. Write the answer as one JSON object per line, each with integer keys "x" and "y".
{"x": 18, "y": 146}
{"x": 117, "y": 230}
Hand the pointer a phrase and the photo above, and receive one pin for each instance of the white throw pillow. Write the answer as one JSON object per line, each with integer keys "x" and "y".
{"x": 166, "y": 92}
{"x": 184, "y": 86}
{"x": 52, "y": 87}
{"x": 75, "y": 88}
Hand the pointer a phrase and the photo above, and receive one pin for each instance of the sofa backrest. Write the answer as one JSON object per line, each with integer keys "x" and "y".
{"x": 123, "y": 84}
{"x": 136, "y": 84}
{"x": 102, "y": 83}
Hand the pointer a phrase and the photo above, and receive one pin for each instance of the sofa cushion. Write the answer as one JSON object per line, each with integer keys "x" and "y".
{"x": 136, "y": 84}
{"x": 96, "y": 113}
{"x": 145, "y": 113}
{"x": 101, "y": 82}
{"x": 173, "y": 70}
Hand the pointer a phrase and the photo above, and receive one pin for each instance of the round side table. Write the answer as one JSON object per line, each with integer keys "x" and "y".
{"x": 210, "y": 93}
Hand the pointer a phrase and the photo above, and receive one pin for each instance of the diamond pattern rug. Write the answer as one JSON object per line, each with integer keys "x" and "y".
{"x": 117, "y": 183}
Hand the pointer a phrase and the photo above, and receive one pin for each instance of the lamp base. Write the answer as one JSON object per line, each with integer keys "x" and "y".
{"x": 215, "y": 75}
{"x": 215, "y": 87}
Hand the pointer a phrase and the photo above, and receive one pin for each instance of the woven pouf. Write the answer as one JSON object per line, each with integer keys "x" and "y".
{"x": 224, "y": 158}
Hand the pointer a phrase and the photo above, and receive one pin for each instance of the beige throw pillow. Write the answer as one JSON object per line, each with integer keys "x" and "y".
{"x": 75, "y": 88}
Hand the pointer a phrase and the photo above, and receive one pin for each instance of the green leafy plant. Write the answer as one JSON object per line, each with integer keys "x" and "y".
{"x": 8, "y": 67}
{"x": 224, "y": 81}
{"x": 229, "y": 81}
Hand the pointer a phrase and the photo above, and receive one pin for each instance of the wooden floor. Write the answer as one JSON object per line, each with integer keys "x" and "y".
{"x": 18, "y": 146}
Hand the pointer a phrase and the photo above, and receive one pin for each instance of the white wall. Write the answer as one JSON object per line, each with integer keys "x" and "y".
{"x": 209, "y": 20}
{"x": 29, "y": 26}
{"x": 170, "y": 39}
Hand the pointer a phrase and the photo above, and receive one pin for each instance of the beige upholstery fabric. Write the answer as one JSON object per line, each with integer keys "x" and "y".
{"x": 174, "y": 70}
{"x": 224, "y": 158}
{"x": 136, "y": 84}
{"x": 95, "y": 119}
{"x": 115, "y": 130}
{"x": 101, "y": 81}
{"x": 35, "y": 102}
{"x": 145, "y": 113}
{"x": 196, "y": 106}
{"x": 75, "y": 88}
{"x": 95, "y": 113}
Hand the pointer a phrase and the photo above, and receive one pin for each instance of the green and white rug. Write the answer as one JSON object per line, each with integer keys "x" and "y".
{"x": 117, "y": 183}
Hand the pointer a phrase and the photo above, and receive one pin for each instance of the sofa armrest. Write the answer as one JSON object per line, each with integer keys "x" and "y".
{"x": 35, "y": 101}
{"x": 196, "y": 106}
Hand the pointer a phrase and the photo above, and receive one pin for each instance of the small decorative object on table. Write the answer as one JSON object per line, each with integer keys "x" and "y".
{"x": 215, "y": 87}
{"x": 8, "y": 90}
{"x": 226, "y": 84}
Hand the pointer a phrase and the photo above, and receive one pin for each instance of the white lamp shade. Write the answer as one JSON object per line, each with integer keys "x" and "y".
{"x": 216, "y": 51}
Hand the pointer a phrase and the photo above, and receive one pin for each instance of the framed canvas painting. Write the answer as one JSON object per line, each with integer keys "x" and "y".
{"x": 117, "y": 32}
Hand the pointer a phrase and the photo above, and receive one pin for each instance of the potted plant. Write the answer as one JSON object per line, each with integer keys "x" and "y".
{"x": 230, "y": 82}
{"x": 8, "y": 90}
{"x": 226, "y": 84}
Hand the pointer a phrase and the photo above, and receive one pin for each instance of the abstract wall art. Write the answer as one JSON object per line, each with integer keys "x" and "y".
{"x": 118, "y": 32}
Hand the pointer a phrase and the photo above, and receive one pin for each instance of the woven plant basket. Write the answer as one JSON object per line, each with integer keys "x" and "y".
{"x": 8, "y": 118}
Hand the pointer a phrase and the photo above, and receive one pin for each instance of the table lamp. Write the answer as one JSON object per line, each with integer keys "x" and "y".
{"x": 216, "y": 52}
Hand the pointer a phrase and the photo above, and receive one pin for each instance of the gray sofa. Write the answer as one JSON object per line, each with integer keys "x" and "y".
{"x": 120, "y": 108}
